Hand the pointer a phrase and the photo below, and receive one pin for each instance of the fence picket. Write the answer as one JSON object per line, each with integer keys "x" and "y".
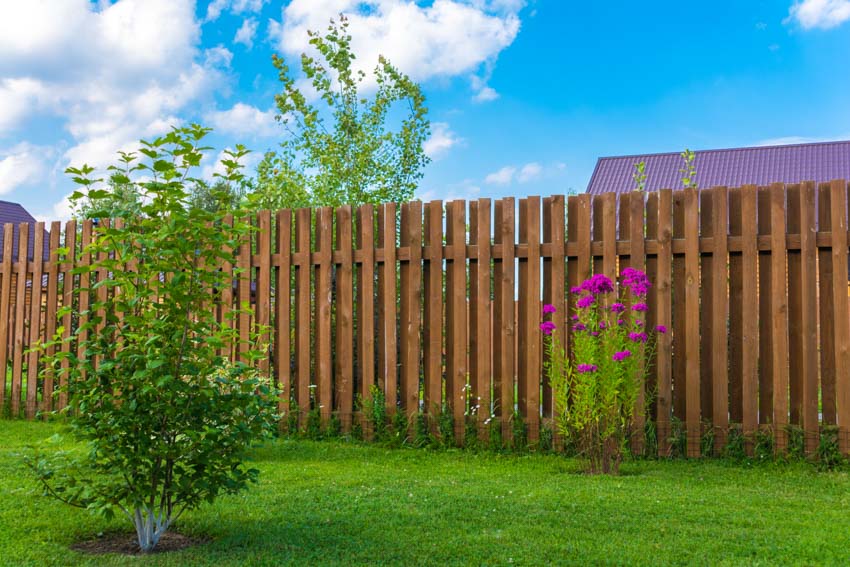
{"x": 411, "y": 302}
{"x": 344, "y": 355}
{"x": 456, "y": 335}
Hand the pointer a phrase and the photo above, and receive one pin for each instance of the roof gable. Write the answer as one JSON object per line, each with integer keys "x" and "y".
{"x": 15, "y": 214}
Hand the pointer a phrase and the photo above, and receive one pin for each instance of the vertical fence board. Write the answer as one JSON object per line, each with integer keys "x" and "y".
{"x": 36, "y": 288}
{"x": 283, "y": 306}
{"x": 826, "y": 311}
{"x": 480, "y": 317}
{"x": 765, "y": 318}
{"x": 243, "y": 292}
{"x": 387, "y": 346}
{"x": 637, "y": 261}
{"x": 651, "y": 387}
{"x": 706, "y": 322}
{"x": 665, "y": 317}
{"x": 736, "y": 307}
{"x": 678, "y": 298}
{"x": 720, "y": 314}
{"x": 456, "y": 339}
{"x": 433, "y": 310}
{"x": 795, "y": 306}
{"x": 20, "y": 313}
{"x": 411, "y": 301}
{"x": 750, "y": 339}
{"x": 303, "y": 347}
{"x": 692, "y": 328}
{"x": 838, "y": 205}
{"x": 226, "y": 307}
{"x": 50, "y": 311}
{"x": 5, "y": 301}
{"x": 263, "y": 294}
{"x": 779, "y": 306}
{"x": 503, "y": 314}
{"x": 808, "y": 328}
{"x": 344, "y": 335}
{"x": 366, "y": 301}
{"x": 323, "y": 303}
{"x": 554, "y": 278}
{"x": 528, "y": 383}
{"x": 68, "y": 277}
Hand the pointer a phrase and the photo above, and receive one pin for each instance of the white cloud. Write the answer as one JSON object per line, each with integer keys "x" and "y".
{"x": 441, "y": 141}
{"x": 21, "y": 164}
{"x": 823, "y": 14}
{"x": 529, "y": 172}
{"x": 444, "y": 39}
{"x": 501, "y": 177}
{"x": 486, "y": 95}
{"x": 243, "y": 120}
{"x": 216, "y": 7}
{"x": 788, "y": 140}
{"x": 245, "y": 34}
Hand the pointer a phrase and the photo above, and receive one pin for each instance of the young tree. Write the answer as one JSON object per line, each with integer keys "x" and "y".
{"x": 167, "y": 418}
{"x": 343, "y": 149}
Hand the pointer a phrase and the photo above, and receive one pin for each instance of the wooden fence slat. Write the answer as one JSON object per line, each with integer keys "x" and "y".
{"x": 528, "y": 383}
{"x": 706, "y": 321}
{"x": 263, "y": 293}
{"x": 650, "y": 406}
{"x": 692, "y": 351}
{"x": 225, "y": 310}
{"x": 736, "y": 307}
{"x": 387, "y": 308}
{"x": 36, "y": 288}
{"x": 637, "y": 261}
{"x": 20, "y": 314}
{"x": 779, "y": 306}
{"x": 678, "y": 298}
{"x": 411, "y": 301}
{"x": 433, "y": 311}
{"x": 480, "y": 337}
{"x": 664, "y": 348}
{"x": 554, "y": 278}
{"x": 609, "y": 235}
{"x": 795, "y": 306}
{"x": 283, "y": 306}
{"x": 456, "y": 336}
{"x": 809, "y": 309}
{"x": 719, "y": 351}
{"x": 826, "y": 311}
{"x": 70, "y": 244}
{"x": 322, "y": 306}
{"x": 243, "y": 266}
{"x": 765, "y": 317}
{"x": 503, "y": 315}
{"x": 5, "y": 301}
{"x": 344, "y": 359}
{"x": 838, "y": 205}
{"x": 303, "y": 323}
{"x": 50, "y": 311}
{"x": 750, "y": 336}
{"x": 366, "y": 301}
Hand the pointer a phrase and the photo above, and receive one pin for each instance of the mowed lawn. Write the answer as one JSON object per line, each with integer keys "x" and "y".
{"x": 335, "y": 503}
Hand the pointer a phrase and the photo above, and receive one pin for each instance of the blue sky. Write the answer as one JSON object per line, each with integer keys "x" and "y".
{"x": 524, "y": 95}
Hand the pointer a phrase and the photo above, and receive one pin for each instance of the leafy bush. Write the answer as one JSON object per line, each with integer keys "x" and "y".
{"x": 596, "y": 389}
{"x": 166, "y": 416}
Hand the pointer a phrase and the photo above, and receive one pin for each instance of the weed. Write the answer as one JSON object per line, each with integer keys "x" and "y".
{"x": 519, "y": 432}
{"x": 422, "y": 431}
{"x": 796, "y": 442}
{"x": 764, "y": 448}
{"x": 546, "y": 442}
{"x": 736, "y": 447}
{"x": 678, "y": 438}
{"x": 650, "y": 439}
{"x": 829, "y": 454}
{"x": 446, "y": 427}
{"x": 707, "y": 439}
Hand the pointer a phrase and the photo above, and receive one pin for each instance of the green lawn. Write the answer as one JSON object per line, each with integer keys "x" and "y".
{"x": 333, "y": 503}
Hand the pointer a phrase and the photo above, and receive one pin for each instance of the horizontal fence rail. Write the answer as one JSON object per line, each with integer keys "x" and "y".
{"x": 438, "y": 305}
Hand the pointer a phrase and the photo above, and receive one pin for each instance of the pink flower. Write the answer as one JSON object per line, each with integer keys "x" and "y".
{"x": 600, "y": 283}
{"x": 579, "y": 327}
{"x": 640, "y": 307}
{"x": 638, "y": 337}
{"x": 620, "y": 322}
{"x": 575, "y": 290}
{"x": 574, "y": 317}
{"x": 639, "y": 322}
{"x": 585, "y": 302}
{"x": 547, "y": 327}
{"x": 622, "y": 355}
{"x": 586, "y": 368}
{"x": 547, "y": 308}
{"x": 594, "y": 333}
{"x": 602, "y": 325}
{"x": 617, "y": 307}
{"x": 661, "y": 329}
{"x": 636, "y": 281}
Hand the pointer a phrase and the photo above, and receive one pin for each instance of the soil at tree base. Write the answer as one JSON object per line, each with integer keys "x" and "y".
{"x": 127, "y": 544}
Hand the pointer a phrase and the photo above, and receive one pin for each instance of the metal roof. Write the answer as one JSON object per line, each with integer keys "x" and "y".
{"x": 762, "y": 165}
{"x": 15, "y": 214}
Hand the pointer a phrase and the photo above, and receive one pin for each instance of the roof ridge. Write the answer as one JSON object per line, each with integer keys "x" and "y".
{"x": 724, "y": 150}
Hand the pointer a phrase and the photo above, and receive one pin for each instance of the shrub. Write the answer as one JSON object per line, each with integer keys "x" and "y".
{"x": 166, "y": 416}
{"x": 596, "y": 389}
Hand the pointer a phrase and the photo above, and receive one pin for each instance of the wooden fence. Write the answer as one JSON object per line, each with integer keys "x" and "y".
{"x": 440, "y": 305}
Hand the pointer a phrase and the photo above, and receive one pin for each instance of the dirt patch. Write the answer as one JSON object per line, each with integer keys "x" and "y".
{"x": 127, "y": 544}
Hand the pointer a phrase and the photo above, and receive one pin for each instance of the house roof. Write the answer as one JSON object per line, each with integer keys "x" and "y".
{"x": 818, "y": 162}
{"x": 15, "y": 214}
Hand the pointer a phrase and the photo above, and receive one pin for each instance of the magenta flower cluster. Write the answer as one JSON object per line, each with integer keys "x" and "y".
{"x": 636, "y": 281}
{"x": 586, "y": 368}
{"x": 621, "y": 355}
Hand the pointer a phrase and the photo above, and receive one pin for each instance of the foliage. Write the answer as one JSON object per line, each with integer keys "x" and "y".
{"x": 167, "y": 418}
{"x": 221, "y": 196}
{"x": 829, "y": 453}
{"x": 639, "y": 176}
{"x": 118, "y": 200}
{"x": 596, "y": 388}
{"x": 342, "y": 148}
{"x": 374, "y": 408}
{"x": 688, "y": 171}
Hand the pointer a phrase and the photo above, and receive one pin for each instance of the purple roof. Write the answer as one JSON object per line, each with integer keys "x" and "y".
{"x": 763, "y": 165}
{"x": 14, "y": 213}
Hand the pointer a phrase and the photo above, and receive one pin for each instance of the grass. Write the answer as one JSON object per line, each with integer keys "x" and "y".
{"x": 334, "y": 503}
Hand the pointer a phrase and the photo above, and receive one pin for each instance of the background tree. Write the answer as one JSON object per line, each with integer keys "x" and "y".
{"x": 343, "y": 148}
{"x": 166, "y": 416}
